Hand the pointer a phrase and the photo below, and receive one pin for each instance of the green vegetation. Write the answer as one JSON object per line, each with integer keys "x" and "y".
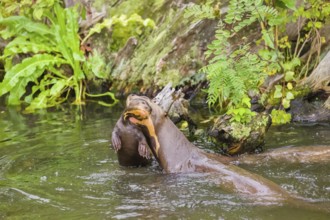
{"x": 30, "y": 9}
{"x": 44, "y": 60}
{"x": 280, "y": 117}
{"x": 51, "y": 49}
{"x": 234, "y": 69}
{"x": 48, "y": 59}
{"x": 123, "y": 28}
{"x": 241, "y": 113}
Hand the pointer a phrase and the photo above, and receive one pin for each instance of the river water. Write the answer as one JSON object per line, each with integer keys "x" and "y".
{"x": 57, "y": 164}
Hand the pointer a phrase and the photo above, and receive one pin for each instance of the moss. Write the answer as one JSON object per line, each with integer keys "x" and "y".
{"x": 151, "y": 54}
{"x": 171, "y": 75}
{"x": 172, "y": 52}
{"x": 240, "y": 131}
{"x": 302, "y": 91}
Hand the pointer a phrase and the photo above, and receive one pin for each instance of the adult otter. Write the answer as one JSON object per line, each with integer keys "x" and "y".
{"x": 130, "y": 144}
{"x": 176, "y": 154}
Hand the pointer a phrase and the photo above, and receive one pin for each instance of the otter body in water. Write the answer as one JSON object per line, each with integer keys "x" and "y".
{"x": 176, "y": 154}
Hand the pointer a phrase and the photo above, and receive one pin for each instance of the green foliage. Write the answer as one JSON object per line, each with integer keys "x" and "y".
{"x": 96, "y": 66}
{"x": 231, "y": 74}
{"x": 199, "y": 12}
{"x": 49, "y": 48}
{"x": 242, "y": 113}
{"x": 123, "y": 27}
{"x": 233, "y": 70}
{"x": 27, "y": 8}
{"x": 280, "y": 117}
{"x": 287, "y": 54}
{"x": 29, "y": 70}
{"x": 147, "y": 64}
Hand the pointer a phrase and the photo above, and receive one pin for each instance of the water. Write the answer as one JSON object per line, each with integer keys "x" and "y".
{"x": 58, "y": 165}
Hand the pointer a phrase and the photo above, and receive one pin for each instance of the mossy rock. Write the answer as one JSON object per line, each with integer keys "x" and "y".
{"x": 236, "y": 138}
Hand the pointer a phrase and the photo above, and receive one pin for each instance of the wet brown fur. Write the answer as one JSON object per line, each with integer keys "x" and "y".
{"x": 130, "y": 144}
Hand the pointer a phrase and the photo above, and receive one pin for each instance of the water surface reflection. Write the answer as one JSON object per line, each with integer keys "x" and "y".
{"x": 57, "y": 164}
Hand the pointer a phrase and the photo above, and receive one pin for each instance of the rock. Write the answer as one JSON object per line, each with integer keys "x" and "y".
{"x": 303, "y": 110}
{"x": 236, "y": 138}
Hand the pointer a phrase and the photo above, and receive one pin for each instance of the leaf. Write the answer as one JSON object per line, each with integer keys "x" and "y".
{"x": 149, "y": 23}
{"x": 269, "y": 41}
{"x": 289, "y": 76}
{"x": 286, "y": 103}
{"x": 289, "y": 96}
{"x": 97, "y": 65}
{"x": 278, "y": 91}
{"x": 280, "y": 117}
{"x": 57, "y": 88}
{"x": 247, "y": 102}
{"x": 20, "y": 88}
{"x": 30, "y": 68}
{"x": 318, "y": 24}
{"x": 71, "y": 32}
{"x": 241, "y": 111}
{"x": 291, "y": 4}
{"x": 107, "y": 23}
{"x": 37, "y": 13}
{"x": 290, "y": 65}
{"x": 18, "y": 24}
{"x": 22, "y": 44}
{"x": 289, "y": 86}
{"x": 39, "y": 102}
{"x": 265, "y": 54}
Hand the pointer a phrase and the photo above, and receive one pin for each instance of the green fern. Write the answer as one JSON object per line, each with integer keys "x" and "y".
{"x": 16, "y": 25}
{"x": 232, "y": 71}
{"x": 200, "y": 12}
{"x": 51, "y": 46}
{"x": 17, "y": 78}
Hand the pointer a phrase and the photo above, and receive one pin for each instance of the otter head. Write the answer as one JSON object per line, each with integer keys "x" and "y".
{"x": 141, "y": 111}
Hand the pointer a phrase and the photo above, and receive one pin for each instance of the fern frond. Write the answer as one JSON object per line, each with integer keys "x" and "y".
{"x": 28, "y": 70}
{"x": 263, "y": 12}
{"x": 15, "y": 25}
{"x": 200, "y": 12}
{"x": 245, "y": 23}
{"x": 22, "y": 44}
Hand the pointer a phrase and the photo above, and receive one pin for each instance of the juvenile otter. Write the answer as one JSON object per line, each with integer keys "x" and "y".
{"x": 130, "y": 144}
